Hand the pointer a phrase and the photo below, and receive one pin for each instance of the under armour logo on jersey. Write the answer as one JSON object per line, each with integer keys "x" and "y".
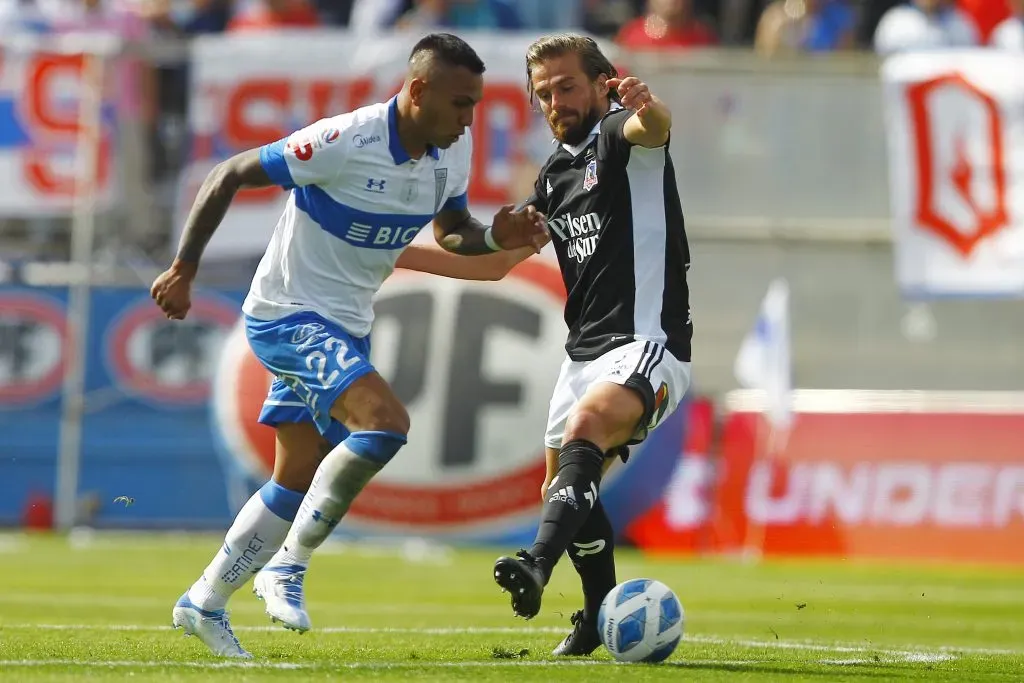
{"x": 592, "y": 548}
{"x": 373, "y": 185}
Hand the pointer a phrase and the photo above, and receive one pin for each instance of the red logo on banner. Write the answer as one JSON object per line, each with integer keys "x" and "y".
{"x": 985, "y": 220}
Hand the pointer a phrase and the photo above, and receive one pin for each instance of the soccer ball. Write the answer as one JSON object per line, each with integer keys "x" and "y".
{"x": 641, "y": 620}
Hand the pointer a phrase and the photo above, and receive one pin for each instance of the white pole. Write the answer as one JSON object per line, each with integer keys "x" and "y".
{"x": 83, "y": 228}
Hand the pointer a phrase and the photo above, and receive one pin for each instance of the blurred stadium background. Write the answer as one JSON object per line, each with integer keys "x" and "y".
{"x": 879, "y": 181}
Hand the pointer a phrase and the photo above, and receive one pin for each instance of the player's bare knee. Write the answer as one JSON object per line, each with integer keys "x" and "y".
{"x": 606, "y": 424}
{"x": 391, "y": 418}
{"x": 588, "y": 424}
{"x": 370, "y": 405}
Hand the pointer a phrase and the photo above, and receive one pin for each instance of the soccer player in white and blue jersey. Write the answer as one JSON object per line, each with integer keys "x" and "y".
{"x": 361, "y": 185}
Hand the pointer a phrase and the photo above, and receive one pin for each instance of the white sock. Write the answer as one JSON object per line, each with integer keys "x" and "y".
{"x": 254, "y": 537}
{"x": 338, "y": 480}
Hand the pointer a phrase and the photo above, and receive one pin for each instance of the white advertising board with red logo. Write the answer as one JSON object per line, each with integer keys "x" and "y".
{"x": 955, "y": 123}
{"x": 41, "y": 131}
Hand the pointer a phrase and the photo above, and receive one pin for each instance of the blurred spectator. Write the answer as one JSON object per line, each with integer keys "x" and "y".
{"x": 986, "y": 14}
{"x": 131, "y": 78}
{"x": 191, "y": 17}
{"x": 169, "y": 131}
{"x": 264, "y": 15}
{"x": 371, "y": 16}
{"x": 551, "y": 15}
{"x": 20, "y": 15}
{"x": 606, "y": 17}
{"x": 923, "y": 25}
{"x": 464, "y": 14}
{"x": 107, "y": 16}
{"x": 1009, "y": 35}
{"x": 806, "y": 26}
{"x": 667, "y": 24}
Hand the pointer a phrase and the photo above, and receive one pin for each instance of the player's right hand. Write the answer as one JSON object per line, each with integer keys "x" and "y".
{"x": 172, "y": 290}
{"x": 524, "y": 228}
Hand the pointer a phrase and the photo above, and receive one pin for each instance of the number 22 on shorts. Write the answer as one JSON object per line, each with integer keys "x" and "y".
{"x": 319, "y": 360}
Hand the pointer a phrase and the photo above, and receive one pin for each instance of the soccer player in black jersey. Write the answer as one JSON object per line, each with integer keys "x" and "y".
{"x": 615, "y": 219}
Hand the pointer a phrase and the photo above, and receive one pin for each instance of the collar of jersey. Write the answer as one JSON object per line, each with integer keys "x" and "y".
{"x": 595, "y": 131}
{"x": 398, "y": 152}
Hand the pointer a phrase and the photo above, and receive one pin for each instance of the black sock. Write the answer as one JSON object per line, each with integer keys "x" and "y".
{"x": 592, "y": 554}
{"x": 571, "y": 497}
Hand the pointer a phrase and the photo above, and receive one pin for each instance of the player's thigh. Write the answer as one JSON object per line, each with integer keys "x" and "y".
{"x": 299, "y": 448}
{"x": 316, "y": 359}
{"x": 607, "y": 415}
{"x": 369, "y": 404}
{"x": 630, "y": 391}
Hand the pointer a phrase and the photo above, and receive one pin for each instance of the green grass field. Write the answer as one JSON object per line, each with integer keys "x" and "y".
{"x": 97, "y": 608}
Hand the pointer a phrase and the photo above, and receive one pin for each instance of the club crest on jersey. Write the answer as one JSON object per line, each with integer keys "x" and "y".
{"x": 590, "y": 178}
{"x": 440, "y": 181}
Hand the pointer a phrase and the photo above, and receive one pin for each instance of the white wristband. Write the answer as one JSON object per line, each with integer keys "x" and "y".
{"x": 489, "y": 240}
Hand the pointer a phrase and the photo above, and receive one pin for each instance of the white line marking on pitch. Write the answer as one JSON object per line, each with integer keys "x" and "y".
{"x": 889, "y": 654}
{"x": 346, "y": 665}
{"x": 923, "y": 654}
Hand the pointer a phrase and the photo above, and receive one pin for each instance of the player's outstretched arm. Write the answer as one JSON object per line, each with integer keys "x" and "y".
{"x": 458, "y": 232}
{"x": 435, "y": 260}
{"x": 172, "y": 290}
{"x": 650, "y": 125}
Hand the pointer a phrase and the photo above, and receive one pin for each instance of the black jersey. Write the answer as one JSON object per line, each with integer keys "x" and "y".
{"x": 617, "y": 226}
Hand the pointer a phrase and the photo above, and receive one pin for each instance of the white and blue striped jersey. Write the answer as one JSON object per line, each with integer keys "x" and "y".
{"x": 356, "y": 201}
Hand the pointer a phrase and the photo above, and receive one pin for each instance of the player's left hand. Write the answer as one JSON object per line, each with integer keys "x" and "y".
{"x": 633, "y": 93}
{"x": 524, "y": 228}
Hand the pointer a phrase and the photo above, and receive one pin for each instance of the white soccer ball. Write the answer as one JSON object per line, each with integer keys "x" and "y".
{"x": 641, "y": 620}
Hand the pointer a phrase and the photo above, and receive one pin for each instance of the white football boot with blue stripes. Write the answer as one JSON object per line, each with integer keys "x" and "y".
{"x": 280, "y": 587}
{"x": 211, "y": 627}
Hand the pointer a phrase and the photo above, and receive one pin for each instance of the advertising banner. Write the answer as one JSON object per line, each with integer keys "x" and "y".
{"x": 897, "y": 475}
{"x": 955, "y": 124}
{"x": 41, "y": 130}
